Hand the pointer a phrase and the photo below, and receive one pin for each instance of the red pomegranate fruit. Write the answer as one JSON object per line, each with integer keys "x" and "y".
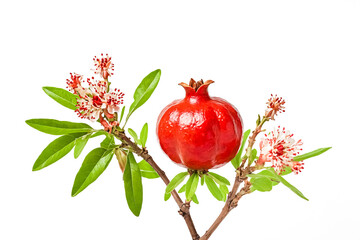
{"x": 200, "y": 132}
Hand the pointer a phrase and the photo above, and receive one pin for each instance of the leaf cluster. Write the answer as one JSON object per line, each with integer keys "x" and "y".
{"x": 76, "y": 136}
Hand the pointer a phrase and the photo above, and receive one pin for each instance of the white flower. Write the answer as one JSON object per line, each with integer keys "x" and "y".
{"x": 280, "y": 148}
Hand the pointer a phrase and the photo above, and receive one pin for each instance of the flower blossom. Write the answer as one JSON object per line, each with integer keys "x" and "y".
{"x": 74, "y": 83}
{"x": 275, "y": 105}
{"x": 97, "y": 100}
{"x": 103, "y": 66}
{"x": 280, "y": 148}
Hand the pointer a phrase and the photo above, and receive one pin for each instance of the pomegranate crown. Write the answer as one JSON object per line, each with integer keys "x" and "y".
{"x": 196, "y": 84}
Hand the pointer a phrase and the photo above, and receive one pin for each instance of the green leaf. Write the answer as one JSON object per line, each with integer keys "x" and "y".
{"x": 144, "y": 91}
{"x": 292, "y": 188}
{"x": 99, "y": 133}
{"x": 179, "y": 178}
{"x": 149, "y": 175}
{"x": 265, "y": 173}
{"x": 286, "y": 171}
{"x": 213, "y": 188}
{"x": 147, "y": 170}
{"x": 80, "y": 144}
{"x": 195, "y": 199}
{"x": 202, "y": 180}
{"x": 144, "y": 134}
{"x": 273, "y": 177}
{"x": 167, "y": 196}
{"x": 224, "y": 190}
{"x": 262, "y": 184}
{"x": 258, "y": 120}
{"x": 134, "y": 135}
{"x": 65, "y": 98}
{"x": 55, "y": 151}
{"x": 252, "y": 156}
{"x": 191, "y": 186}
{"x": 93, "y": 166}
{"x": 182, "y": 189}
{"x": 286, "y": 183}
{"x": 122, "y": 113}
{"x": 219, "y": 179}
{"x": 55, "y": 127}
{"x": 311, "y": 154}
{"x": 108, "y": 142}
{"x": 236, "y": 161}
{"x": 133, "y": 185}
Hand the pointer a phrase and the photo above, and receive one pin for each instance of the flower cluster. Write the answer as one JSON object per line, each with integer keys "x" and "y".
{"x": 95, "y": 96}
{"x": 275, "y": 105}
{"x": 280, "y": 148}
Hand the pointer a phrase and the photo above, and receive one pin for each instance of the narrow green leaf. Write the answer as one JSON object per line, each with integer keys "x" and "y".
{"x": 236, "y": 161}
{"x": 176, "y": 181}
{"x": 258, "y": 120}
{"x": 262, "y": 184}
{"x": 122, "y": 113}
{"x": 202, "y": 180}
{"x": 252, "y": 156}
{"x": 146, "y": 170}
{"x": 99, "y": 133}
{"x": 145, "y": 166}
{"x": 144, "y": 91}
{"x": 55, "y": 127}
{"x": 62, "y": 96}
{"x": 286, "y": 183}
{"x": 191, "y": 186}
{"x": 182, "y": 189}
{"x": 213, "y": 188}
{"x": 93, "y": 166}
{"x": 134, "y": 135}
{"x": 286, "y": 171}
{"x": 195, "y": 199}
{"x": 133, "y": 185}
{"x": 224, "y": 190}
{"x": 219, "y": 179}
{"x": 108, "y": 142}
{"x": 271, "y": 175}
{"x": 311, "y": 154}
{"x": 80, "y": 144}
{"x": 292, "y": 188}
{"x": 149, "y": 175}
{"x": 144, "y": 134}
{"x": 167, "y": 196}
{"x": 54, "y": 151}
{"x": 269, "y": 172}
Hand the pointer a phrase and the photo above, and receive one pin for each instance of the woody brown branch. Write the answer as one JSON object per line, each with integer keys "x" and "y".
{"x": 184, "y": 208}
{"x": 241, "y": 176}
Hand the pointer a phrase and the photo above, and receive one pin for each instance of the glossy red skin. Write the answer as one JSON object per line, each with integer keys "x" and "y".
{"x": 200, "y": 132}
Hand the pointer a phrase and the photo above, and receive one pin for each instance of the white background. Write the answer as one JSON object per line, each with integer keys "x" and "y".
{"x": 306, "y": 51}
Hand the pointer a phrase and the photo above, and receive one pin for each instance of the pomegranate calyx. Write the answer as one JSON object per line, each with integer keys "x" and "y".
{"x": 198, "y": 88}
{"x": 196, "y": 84}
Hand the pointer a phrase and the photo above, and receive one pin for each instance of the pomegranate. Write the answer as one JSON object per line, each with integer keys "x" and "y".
{"x": 200, "y": 132}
